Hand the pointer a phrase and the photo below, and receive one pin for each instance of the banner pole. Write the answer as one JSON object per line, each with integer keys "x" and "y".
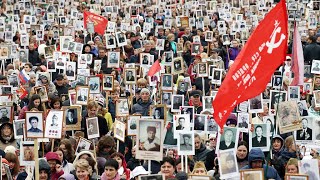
{"x": 149, "y": 166}
{"x": 36, "y": 159}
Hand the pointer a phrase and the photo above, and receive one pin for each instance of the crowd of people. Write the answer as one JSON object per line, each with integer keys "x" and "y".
{"x": 135, "y": 102}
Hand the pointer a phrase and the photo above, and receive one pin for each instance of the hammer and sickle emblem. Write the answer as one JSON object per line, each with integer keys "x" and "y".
{"x": 271, "y": 45}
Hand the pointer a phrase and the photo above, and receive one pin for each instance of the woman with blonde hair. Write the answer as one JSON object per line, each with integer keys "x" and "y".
{"x": 83, "y": 170}
{"x": 292, "y": 166}
{"x": 199, "y": 169}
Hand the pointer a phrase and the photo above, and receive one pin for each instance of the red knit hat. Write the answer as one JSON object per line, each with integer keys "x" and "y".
{"x": 53, "y": 156}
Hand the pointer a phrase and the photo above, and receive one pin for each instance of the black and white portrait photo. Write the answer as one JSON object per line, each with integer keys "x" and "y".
{"x": 166, "y": 80}
{"x": 94, "y": 84}
{"x": 113, "y": 59}
{"x": 132, "y": 125}
{"x": 5, "y": 114}
{"x": 92, "y": 126}
{"x": 150, "y": 139}
{"x": 34, "y": 125}
{"x": 216, "y": 76}
{"x": 82, "y": 96}
{"x": 207, "y": 102}
{"x": 255, "y": 104}
{"x": 130, "y": 76}
{"x": 259, "y": 137}
{"x": 166, "y": 98}
{"x": 306, "y": 133}
{"x": 158, "y": 112}
{"x": 122, "y": 107}
{"x": 195, "y": 49}
{"x": 277, "y": 81}
{"x": 202, "y": 70}
{"x": 186, "y": 143}
{"x": 228, "y": 139}
{"x": 199, "y": 122}
{"x": 168, "y": 57}
{"x": 119, "y": 130}
{"x": 212, "y": 126}
{"x": 13, "y": 80}
{"x": 72, "y": 117}
{"x": 209, "y": 36}
{"x": 111, "y": 41}
{"x": 54, "y": 120}
{"x": 294, "y": 92}
{"x": 181, "y": 123}
{"x": 302, "y": 107}
{"x": 178, "y": 100}
{"x": 121, "y": 39}
{"x": 276, "y": 97}
{"x": 243, "y": 120}
{"x": 228, "y": 164}
{"x": 70, "y": 70}
{"x": 178, "y": 65}
{"x": 144, "y": 59}
{"x": 310, "y": 168}
{"x": 18, "y": 126}
{"x": 315, "y": 68}
{"x": 83, "y": 145}
{"x": 290, "y": 118}
{"x": 108, "y": 82}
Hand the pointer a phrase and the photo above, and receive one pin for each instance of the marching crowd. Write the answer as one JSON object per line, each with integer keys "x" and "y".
{"x": 195, "y": 57}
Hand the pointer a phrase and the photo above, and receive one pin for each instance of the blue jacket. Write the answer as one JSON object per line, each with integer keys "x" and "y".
{"x": 141, "y": 107}
{"x": 269, "y": 172}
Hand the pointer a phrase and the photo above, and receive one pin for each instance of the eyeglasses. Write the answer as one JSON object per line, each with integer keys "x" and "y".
{"x": 212, "y": 139}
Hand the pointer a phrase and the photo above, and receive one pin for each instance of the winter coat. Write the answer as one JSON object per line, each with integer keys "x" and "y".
{"x": 201, "y": 154}
{"x": 141, "y": 107}
{"x": 104, "y": 177}
{"x": 133, "y": 163}
{"x": 257, "y": 154}
{"x": 311, "y": 52}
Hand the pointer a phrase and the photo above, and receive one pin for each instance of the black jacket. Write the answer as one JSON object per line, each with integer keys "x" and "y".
{"x": 103, "y": 126}
{"x": 34, "y": 58}
{"x": 61, "y": 89}
{"x": 311, "y": 52}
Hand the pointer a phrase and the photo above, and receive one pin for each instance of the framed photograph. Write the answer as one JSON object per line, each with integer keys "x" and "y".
{"x": 255, "y": 104}
{"x": 94, "y": 84}
{"x": 110, "y": 41}
{"x": 181, "y": 123}
{"x": 18, "y": 127}
{"x": 92, "y": 127}
{"x": 243, "y": 120}
{"x": 259, "y": 138}
{"x": 296, "y": 177}
{"x": 177, "y": 65}
{"x": 294, "y": 92}
{"x": 207, "y": 102}
{"x": 130, "y": 75}
{"x": 70, "y": 70}
{"x": 54, "y": 122}
{"x": 306, "y": 133}
{"x": 26, "y": 154}
{"x": 64, "y": 43}
{"x": 108, "y": 82}
{"x": 202, "y": 70}
{"x": 303, "y": 108}
{"x": 199, "y": 122}
{"x": 166, "y": 82}
{"x": 132, "y": 125}
{"x": 251, "y": 174}
{"x": 166, "y": 98}
{"x": 113, "y": 59}
{"x": 290, "y": 117}
{"x": 275, "y": 98}
{"x": 122, "y": 107}
{"x": 216, "y": 76}
{"x": 121, "y": 39}
{"x": 178, "y": 100}
{"x": 82, "y": 95}
{"x": 34, "y": 124}
{"x": 228, "y": 164}
{"x": 119, "y": 130}
{"x": 145, "y": 59}
{"x": 168, "y": 56}
{"x": 151, "y": 146}
{"x": 228, "y": 139}
{"x": 186, "y": 143}
{"x": 315, "y": 67}
{"x": 42, "y": 92}
{"x": 195, "y": 48}
{"x": 199, "y": 177}
{"x": 4, "y": 52}
{"x": 277, "y": 81}
{"x": 309, "y": 167}
{"x": 316, "y": 95}
{"x": 72, "y": 116}
{"x": 13, "y": 80}
{"x": 83, "y": 145}
{"x": 269, "y": 120}
{"x": 182, "y": 87}
{"x": 307, "y": 87}
{"x": 208, "y": 36}
{"x": 151, "y": 177}
{"x": 158, "y": 111}
{"x": 6, "y": 114}
{"x": 211, "y": 126}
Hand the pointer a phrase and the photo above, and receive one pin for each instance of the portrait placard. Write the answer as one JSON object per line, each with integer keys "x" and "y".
{"x": 228, "y": 164}
{"x": 27, "y": 157}
{"x": 309, "y": 167}
{"x": 307, "y": 133}
{"x": 92, "y": 125}
{"x": 290, "y": 117}
{"x": 18, "y": 128}
{"x": 82, "y": 95}
{"x": 166, "y": 82}
{"x": 34, "y": 124}
{"x": 94, "y": 84}
{"x": 122, "y": 107}
{"x": 72, "y": 116}
{"x": 259, "y": 138}
{"x": 42, "y": 92}
{"x": 130, "y": 76}
{"x": 251, "y": 174}
{"x": 289, "y": 176}
{"x": 152, "y": 176}
{"x": 228, "y": 139}
{"x": 54, "y": 122}
{"x": 119, "y": 130}
{"x": 181, "y": 123}
{"x": 108, "y": 81}
{"x": 83, "y": 145}
{"x": 178, "y": 100}
{"x": 151, "y": 147}
{"x": 186, "y": 143}
{"x": 132, "y": 125}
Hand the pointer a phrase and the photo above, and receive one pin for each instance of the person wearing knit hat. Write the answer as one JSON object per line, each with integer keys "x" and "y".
{"x": 55, "y": 165}
{"x": 143, "y": 104}
{"x": 67, "y": 177}
{"x": 44, "y": 170}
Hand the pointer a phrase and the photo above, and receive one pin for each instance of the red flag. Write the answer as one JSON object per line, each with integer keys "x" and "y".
{"x": 154, "y": 68}
{"x": 264, "y": 51}
{"x": 99, "y": 22}
{"x": 297, "y": 65}
{"x": 22, "y": 92}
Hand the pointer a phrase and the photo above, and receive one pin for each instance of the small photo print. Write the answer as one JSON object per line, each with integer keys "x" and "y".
{"x": 83, "y": 145}
{"x": 34, "y": 125}
{"x": 54, "y": 122}
{"x": 186, "y": 143}
{"x": 18, "y": 126}
{"x": 259, "y": 138}
{"x": 228, "y": 164}
{"x": 92, "y": 127}
{"x": 310, "y": 168}
{"x": 251, "y": 174}
{"x": 119, "y": 130}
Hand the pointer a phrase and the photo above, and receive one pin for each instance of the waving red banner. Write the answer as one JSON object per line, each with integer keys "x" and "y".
{"x": 99, "y": 22}
{"x": 264, "y": 51}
